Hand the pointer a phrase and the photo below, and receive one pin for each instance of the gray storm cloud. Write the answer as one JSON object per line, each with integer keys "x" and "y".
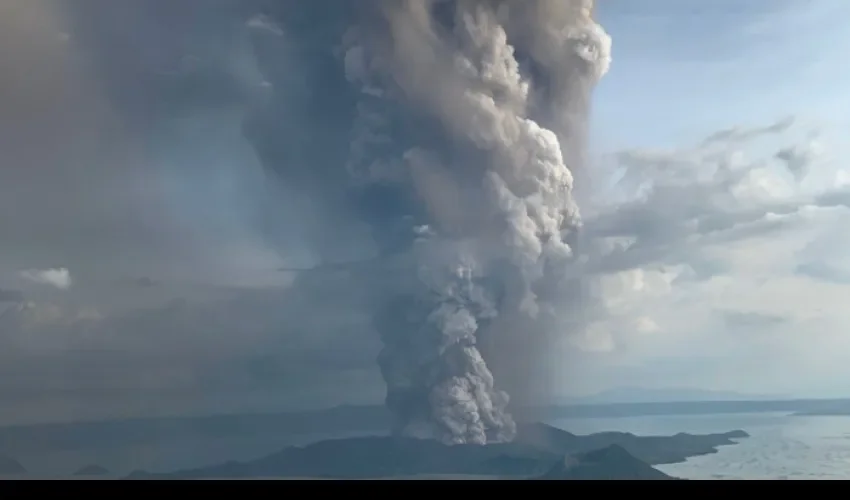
{"x": 11, "y": 296}
{"x": 463, "y": 122}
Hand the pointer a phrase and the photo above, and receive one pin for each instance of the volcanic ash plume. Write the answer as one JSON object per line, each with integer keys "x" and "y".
{"x": 465, "y": 110}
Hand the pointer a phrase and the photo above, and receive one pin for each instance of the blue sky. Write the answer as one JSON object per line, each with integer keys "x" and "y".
{"x": 684, "y": 68}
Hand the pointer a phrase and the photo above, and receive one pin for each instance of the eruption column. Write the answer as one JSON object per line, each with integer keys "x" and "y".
{"x": 466, "y": 122}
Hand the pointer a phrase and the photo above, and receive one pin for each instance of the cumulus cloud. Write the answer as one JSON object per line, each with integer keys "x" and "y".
{"x": 57, "y": 277}
{"x": 799, "y": 158}
{"x": 824, "y": 271}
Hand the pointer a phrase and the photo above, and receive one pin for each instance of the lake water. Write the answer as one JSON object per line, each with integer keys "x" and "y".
{"x": 779, "y": 447}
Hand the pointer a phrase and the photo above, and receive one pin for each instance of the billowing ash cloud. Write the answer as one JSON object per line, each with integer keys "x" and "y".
{"x": 452, "y": 130}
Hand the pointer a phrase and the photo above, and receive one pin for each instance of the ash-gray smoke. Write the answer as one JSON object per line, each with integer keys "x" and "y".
{"x": 463, "y": 120}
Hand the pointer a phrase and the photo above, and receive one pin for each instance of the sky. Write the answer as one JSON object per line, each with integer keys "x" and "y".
{"x": 137, "y": 275}
{"x": 768, "y": 317}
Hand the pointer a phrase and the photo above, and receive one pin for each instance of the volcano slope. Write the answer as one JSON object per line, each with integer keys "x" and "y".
{"x": 539, "y": 452}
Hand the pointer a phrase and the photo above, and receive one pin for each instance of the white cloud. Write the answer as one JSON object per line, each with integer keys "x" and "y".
{"x": 645, "y": 324}
{"x": 595, "y": 338}
{"x": 58, "y": 277}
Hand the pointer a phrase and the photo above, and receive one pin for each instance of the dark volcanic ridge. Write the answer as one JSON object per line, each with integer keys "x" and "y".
{"x": 10, "y": 467}
{"x": 92, "y": 470}
{"x": 540, "y": 451}
{"x": 612, "y": 462}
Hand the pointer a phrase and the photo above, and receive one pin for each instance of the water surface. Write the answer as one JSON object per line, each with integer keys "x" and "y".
{"x": 780, "y": 446}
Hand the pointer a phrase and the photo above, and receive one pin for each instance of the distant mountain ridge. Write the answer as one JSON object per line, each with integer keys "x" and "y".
{"x": 92, "y": 470}
{"x": 636, "y": 394}
{"x": 11, "y": 467}
{"x": 832, "y": 409}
